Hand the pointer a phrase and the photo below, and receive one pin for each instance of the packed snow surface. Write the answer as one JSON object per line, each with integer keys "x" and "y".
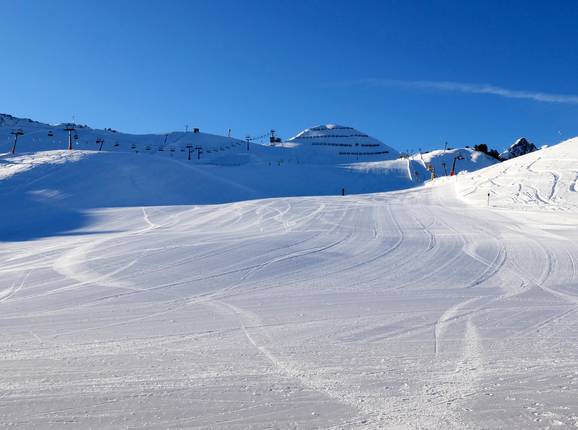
{"x": 544, "y": 179}
{"x": 145, "y": 291}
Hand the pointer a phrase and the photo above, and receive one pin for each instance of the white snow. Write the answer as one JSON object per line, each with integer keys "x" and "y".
{"x": 332, "y": 143}
{"x": 544, "y": 179}
{"x": 466, "y": 160}
{"x": 143, "y": 291}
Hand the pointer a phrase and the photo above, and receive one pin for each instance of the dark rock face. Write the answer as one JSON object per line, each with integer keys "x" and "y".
{"x": 521, "y": 147}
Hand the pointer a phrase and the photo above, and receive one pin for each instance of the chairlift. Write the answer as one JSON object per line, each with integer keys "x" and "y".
{"x": 50, "y": 133}
{"x": 116, "y": 144}
{"x": 182, "y": 149}
{"x": 133, "y": 146}
{"x": 75, "y": 136}
{"x": 148, "y": 148}
{"x": 161, "y": 149}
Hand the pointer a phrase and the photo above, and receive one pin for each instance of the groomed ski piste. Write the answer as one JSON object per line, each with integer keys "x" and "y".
{"x": 148, "y": 291}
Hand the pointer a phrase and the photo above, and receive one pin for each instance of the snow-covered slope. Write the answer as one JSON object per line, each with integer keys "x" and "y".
{"x": 467, "y": 160}
{"x": 405, "y": 310}
{"x": 207, "y": 148}
{"x": 321, "y": 145}
{"x": 544, "y": 179}
{"x": 137, "y": 170}
{"x": 49, "y": 190}
{"x": 130, "y": 299}
{"x": 332, "y": 143}
{"x": 329, "y": 144}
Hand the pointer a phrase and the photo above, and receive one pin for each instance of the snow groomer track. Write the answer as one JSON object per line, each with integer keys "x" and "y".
{"x": 417, "y": 309}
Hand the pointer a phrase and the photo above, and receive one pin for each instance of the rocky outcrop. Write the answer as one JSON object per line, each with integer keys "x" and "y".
{"x": 521, "y": 147}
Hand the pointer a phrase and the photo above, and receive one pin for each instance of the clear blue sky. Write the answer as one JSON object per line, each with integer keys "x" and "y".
{"x": 411, "y": 73}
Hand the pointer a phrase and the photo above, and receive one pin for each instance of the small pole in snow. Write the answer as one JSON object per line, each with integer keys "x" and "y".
{"x": 190, "y": 148}
{"x": 16, "y": 133}
{"x": 248, "y": 140}
{"x": 343, "y": 191}
{"x": 488, "y": 199}
{"x": 164, "y": 142}
{"x": 99, "y": 142}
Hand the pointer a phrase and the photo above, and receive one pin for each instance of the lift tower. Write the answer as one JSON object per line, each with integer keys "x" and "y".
{"x": 69, "y": 128}
{"x": 15, "y": 133}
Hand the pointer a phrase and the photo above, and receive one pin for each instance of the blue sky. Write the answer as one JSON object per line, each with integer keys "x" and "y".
{"x": 412, "y": 73}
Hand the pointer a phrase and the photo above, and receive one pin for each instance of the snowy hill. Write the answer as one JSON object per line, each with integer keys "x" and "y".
{"x": 155, "y": 170}
{"x": 466, "y": 160}
{"x": 332, "y": 143}
{"x": 544, "y": 179}
{"x": 329, "y": 145}
{"x": 206, "y": 147}
{"x": 144, "y": 290}
{"x": 51, "y": 189}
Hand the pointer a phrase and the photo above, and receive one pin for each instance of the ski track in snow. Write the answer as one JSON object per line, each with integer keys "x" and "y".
{"x": 408, "y": 310}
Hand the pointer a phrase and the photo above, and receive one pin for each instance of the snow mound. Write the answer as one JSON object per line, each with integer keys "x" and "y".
{"x": 466, "y": 160}
{"x": 544, "y": 179}
{"x": 331, "y": 142}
